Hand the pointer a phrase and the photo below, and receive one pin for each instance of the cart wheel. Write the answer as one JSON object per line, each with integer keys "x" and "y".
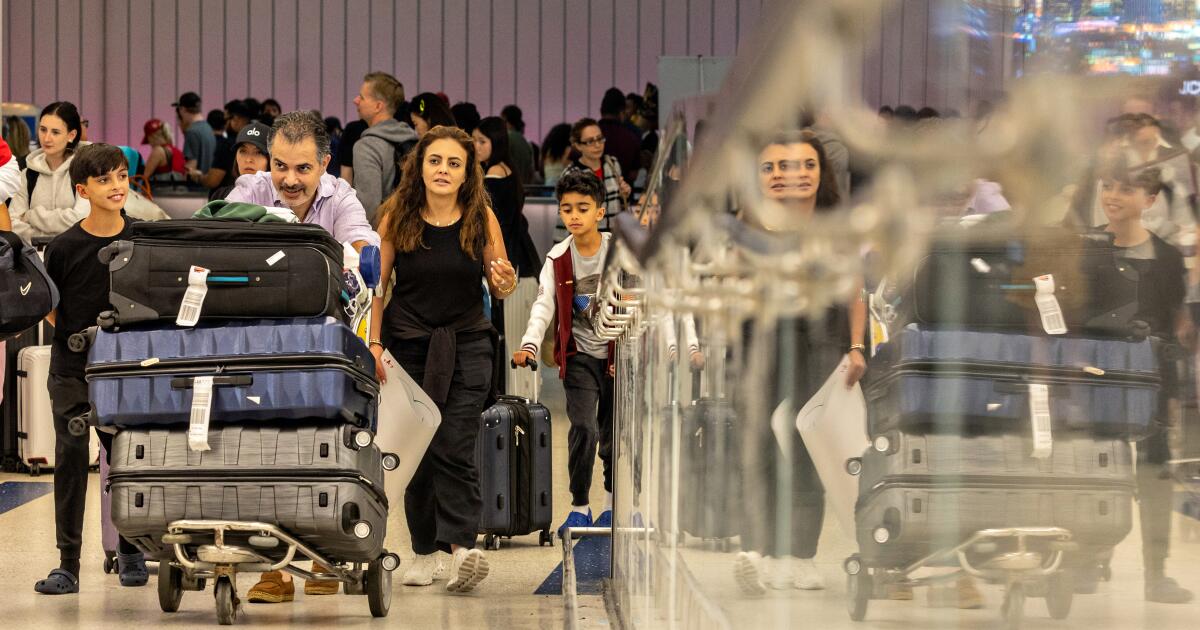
{"x": 1060, "y": 590}
{"x": 379, "y": 588}
{"x": 170, "y": 587}
{"x": 35, "y": 470}
{"x": 1106, "y": 572}
{"x": 110, "y": 562}
{"x": 859, "y": 588}
{"x": 1013, "y": 607}
{"x": 226, "y": 607}
{"x": 545, "y": 539}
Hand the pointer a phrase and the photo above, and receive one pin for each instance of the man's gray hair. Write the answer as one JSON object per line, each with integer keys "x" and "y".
{"x": 298, "y": 125}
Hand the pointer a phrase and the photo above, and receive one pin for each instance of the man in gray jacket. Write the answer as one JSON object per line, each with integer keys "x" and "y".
{"x": 375, "y": 154}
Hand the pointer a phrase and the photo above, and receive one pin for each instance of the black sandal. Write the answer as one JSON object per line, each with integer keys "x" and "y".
{"x": 59, "y": 582}
{"x": 132, "y": 569}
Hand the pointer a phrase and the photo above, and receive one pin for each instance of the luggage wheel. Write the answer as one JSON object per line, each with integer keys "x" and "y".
{"x": 545, "y": 539}
{"x": 491, "y": 541}
{"x": 110, "y": 562}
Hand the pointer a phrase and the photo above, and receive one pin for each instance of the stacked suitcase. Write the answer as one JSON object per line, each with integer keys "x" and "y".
{"x": 980, "y": 419}
{"x": 263, "y": 411}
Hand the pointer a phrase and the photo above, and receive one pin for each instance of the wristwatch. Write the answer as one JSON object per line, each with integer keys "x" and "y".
{"x": 858, "y": 346}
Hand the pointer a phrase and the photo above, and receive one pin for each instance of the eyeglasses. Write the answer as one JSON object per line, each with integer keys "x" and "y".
{"x": 592, "y": 141}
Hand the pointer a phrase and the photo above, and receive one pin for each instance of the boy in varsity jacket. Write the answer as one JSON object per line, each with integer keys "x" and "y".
{"x": 567, "y": 290}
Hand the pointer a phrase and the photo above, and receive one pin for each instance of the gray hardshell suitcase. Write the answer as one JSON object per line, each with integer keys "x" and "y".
{"x": 919, "y": 494}
{"x": 316, "y": 482}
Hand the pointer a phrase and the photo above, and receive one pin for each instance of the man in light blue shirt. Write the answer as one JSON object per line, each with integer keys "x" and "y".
{"x": 298, "y": 181}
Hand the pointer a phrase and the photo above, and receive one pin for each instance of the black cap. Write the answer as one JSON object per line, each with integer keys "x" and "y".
{"x": 189, "y": 100}
{"x": 256, "y": 134}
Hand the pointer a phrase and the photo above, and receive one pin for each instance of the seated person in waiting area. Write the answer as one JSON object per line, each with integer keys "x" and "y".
{"x": 568, "y": 285}
{"x": 100, "y": 175}
{"x": 299, "y": 151}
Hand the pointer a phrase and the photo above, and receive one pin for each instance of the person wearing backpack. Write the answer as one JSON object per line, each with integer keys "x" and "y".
{"x": 46, "y": 205}
{"x": 385, "y": 143}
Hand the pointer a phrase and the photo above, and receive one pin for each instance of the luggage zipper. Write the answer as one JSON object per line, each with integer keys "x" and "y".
{"x": 256, "y": 361}
{"x": 984, "y": 482}
{"x": 186, "y": 367}
{"x": 1024, "y": 372}
{"x": 250, "y": 475}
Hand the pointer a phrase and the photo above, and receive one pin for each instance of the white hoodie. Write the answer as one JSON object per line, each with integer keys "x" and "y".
{"x": 54, "y": 207}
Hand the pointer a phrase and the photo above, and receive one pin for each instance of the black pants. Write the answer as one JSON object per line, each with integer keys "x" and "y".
{"x": 68, "y": 399}
{"x": 1155, "y": 489}
{"x": 442, "y": 502}
{"x": 799, "y": 505}
{"x": 589, "y": 391}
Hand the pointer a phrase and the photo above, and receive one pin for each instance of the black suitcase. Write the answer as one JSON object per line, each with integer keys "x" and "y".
{"x": 922, "y": 493}
{"x": 711, "y": 448}
{"x": 316, "y": 482}
{"x": 256, "y": 270}
{"x": 513, "y": 457}
{"x": 982, "y": 278}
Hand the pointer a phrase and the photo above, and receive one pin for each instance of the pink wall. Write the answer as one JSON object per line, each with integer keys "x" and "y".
{"x": 124, "y": 61}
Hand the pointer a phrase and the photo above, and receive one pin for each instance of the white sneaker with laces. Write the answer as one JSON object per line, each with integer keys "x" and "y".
{"x": 467, "y": 569}
{"x": 807, "y": 577}
{"x": 420, "y": 572}
{"x": 747, "y": 572}
{"x": 777, "y": 573}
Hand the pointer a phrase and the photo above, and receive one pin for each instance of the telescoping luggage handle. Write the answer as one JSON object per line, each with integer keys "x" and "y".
{"x": 537, "y": 379}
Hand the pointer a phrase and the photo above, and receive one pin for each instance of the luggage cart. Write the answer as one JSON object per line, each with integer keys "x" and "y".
{"x": 218, "y": 550}
{"x": 1026, "y": 560}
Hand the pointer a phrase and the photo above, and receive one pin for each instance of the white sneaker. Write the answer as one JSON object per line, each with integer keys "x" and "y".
{"x": 807, "y": 577}
{"x": 420, "y": 572}
{"x": 439, "y": 570}
{"x": 467, "y": 570}
{"x": 747, "y": 572}
{"x": 777, "y": 573}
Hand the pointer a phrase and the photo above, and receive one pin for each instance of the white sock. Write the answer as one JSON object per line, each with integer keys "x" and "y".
{"x": 608, "y": 502}
{"x": 582, "y": 509}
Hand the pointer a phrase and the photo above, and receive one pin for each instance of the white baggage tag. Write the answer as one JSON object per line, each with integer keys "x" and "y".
{"x": 1048, "y": 306}
{"x": 1039, "y": 414}
{"x": 202, "y": 388}
{"x": 193, "y": 298}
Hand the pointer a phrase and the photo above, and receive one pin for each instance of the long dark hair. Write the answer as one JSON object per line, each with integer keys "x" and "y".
{"x": 69, "y": 115}
{"x": 433, "y": 109}
{"x": 497, "y": 132}
{"x": 401, "y": 212}
{"x": 828, "y": 195}
{"x": 558, "y": 142}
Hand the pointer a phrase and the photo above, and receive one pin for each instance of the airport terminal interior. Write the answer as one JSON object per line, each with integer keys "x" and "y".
{"x": 586, "y": 314}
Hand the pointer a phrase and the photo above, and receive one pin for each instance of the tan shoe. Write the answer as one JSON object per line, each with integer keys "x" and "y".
{"x": 899, "y": 592}
{"x": 321, "y": 587}
{"x": 271, "y": 589}
{"x": 962, "y": 595}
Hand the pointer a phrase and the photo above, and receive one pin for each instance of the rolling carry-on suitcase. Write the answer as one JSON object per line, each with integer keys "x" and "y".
{"x": 922, "y": 493}
{"x": 959, "y": 381}
{"x": 513, "y": 457}
{"x": 263, "y": 371}
{"x": 316, "y": 482}
{"x": 710, "y": 454}
{"x": 255, "y": 270}
{"x": 35, "y": 418}
{"x": 109, "y": 539}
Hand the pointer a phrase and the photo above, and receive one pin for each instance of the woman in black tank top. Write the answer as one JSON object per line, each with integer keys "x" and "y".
{"x": 442, "y": 241}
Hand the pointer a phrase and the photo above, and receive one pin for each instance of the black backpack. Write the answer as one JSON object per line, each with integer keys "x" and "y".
{"x": 27, "y": 295}
{"x": 400, "y": 151}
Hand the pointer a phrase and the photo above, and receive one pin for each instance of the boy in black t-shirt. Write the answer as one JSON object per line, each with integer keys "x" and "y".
{"x": 100, "y": 174}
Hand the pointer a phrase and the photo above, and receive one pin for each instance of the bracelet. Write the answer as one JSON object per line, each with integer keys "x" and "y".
{"x": 858, "y": 346}
{"x": 375, "y": 342}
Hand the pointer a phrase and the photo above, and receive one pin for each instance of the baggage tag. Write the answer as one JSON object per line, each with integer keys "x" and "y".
{"x": 193, "y": 298}
{"x": 1048, "y": 306}
{"x": 202, "y": 388}
{"x": 1039, "y": 413}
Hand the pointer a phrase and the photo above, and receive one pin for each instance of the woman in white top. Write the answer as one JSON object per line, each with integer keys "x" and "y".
{"x": 45, "y": 204}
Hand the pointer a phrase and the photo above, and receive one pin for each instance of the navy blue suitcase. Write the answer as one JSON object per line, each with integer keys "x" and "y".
{"x": 957, "y": 381}
{"x": 264, "y": 371}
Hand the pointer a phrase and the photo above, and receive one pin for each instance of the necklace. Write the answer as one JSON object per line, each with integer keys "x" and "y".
{"x": 449, "y": 221}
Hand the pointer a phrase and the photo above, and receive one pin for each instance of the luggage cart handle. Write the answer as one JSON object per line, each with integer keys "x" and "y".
{"x": 237, "y": 380}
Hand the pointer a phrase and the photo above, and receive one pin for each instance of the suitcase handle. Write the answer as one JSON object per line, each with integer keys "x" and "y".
{"x": 239, "y": 380}
{"x": 228, "y": 280}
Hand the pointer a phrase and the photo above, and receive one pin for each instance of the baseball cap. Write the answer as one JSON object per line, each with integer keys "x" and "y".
{"x": 256, "y": 134}
{"x": 150, "y": 128}
{"x": 189, "y": 100}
